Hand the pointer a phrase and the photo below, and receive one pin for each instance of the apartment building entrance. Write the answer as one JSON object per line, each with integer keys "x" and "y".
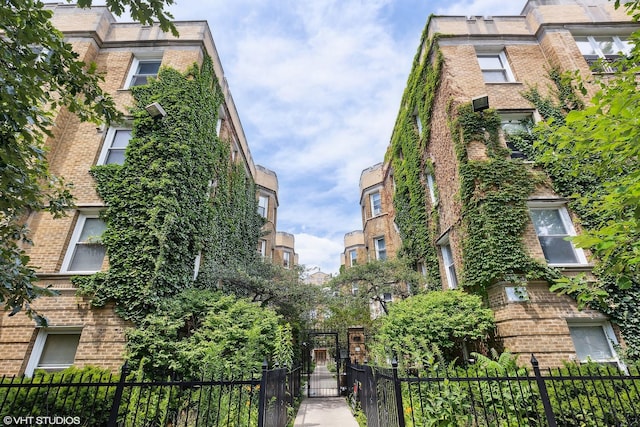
{"x": 321, "y": 363}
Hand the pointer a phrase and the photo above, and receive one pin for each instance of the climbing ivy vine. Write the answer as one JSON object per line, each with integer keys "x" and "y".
{"x": 177, "y": 196}
{"x": 494, "y": 193}
{"x": 417, "y": 227}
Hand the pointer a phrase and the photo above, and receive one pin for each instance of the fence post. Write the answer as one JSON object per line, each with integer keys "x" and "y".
{"x": 544, "y": 395}
{"x": 263, "y": 394}
{"x": 117, "y": 397}
{"x": 398, "y": 390}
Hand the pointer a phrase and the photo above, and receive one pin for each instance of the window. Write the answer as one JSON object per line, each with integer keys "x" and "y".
{"x": 387, "y": 297}
{"x": 495, "y": 68}
{"x": 196, "y": 265}
{"x": 432, "y": 189}
{"x": 416, "y": 118}
{"x": 421, "y": 268}
{"x": 286, "y": 259}
{"x": 376, "y": 204}
{"x": 594, "y": 341}
{"x": 115, "y": 144}
{"x": 263, "y": 205}
{"x": 553, "y": 225}
{"x": 221, "y": 117}
{"x": 605, "y": 48}
{"x": 353, "y": 257}
{"x": 141, "y": 69}
{"x": 53, "y": 349}
{"x": 86, "y": 252}
{"x": 515, "y": 124}
{"x": 516, "y": 293}
{"x": 354, "y": 288}
{"x": 262, "y": 248}
{"x": 381, "y": 248}
{"x": 449, "y": 266}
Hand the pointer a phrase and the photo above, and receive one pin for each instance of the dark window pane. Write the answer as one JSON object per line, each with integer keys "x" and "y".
{"x": 557, "y": 250}
{"x": 115, "y": 156}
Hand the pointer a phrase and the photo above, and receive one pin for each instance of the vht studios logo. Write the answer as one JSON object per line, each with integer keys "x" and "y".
{"x": 41, "y": 421}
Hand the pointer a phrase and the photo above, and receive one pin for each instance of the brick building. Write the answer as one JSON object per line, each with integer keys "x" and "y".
{"x": 284, "y": 251}
{"x": 494, "y": 60}
{"x": 127, "y": 54}
{"x": 355, "y": 251}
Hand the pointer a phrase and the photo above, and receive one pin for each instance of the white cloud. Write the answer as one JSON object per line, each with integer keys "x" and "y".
{"x": 322, "y": 252}
{"x": 318, "y": 85}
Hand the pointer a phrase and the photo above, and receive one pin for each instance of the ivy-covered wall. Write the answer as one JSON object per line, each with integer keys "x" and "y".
{"x": 416, "y": 219}
{"x": 176, "y": 196}
{"x": 494, "y": 191}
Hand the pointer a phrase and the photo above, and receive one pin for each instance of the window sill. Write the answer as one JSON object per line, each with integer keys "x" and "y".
{"x": 504, "y": 83}
{"x": 573, "y": 267}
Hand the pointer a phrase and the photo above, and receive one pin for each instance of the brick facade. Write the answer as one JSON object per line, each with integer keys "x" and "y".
{"x": 541, "y": 38}
{"x": 73, "y": 149}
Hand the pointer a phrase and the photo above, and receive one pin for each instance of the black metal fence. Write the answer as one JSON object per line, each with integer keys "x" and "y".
{"x": 588, "y": 395}
{"x": 262, "y": 399}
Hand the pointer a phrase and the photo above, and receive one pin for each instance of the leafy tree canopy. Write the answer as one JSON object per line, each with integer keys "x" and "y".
{"x": 601, "y": 143}
{"x": 39, "y": 75}
{"x": 441, "y": 319}
{"x": 376, "y": 278}
{"x": 203, "y": 332}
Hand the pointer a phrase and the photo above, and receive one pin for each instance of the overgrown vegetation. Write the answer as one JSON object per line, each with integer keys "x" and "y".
{"x": 494, "y": 193}
{"x": 202, "y": 333}
{"x": 41, "y": 77}
{"x": 447, "y": 320}
{"x": 177, "y": 198}
{"x": 575, "y": 156}
{"x": 408, "y": 142}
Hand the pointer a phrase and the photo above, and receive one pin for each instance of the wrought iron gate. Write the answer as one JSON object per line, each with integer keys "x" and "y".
{"x": 321, "y": 364}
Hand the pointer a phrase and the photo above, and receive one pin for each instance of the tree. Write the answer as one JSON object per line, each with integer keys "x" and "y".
{"x": 39, "y": 75}
{"x": 376, "y": 278}
{"x": 200, "y": 332}
{"x": 444, "y": 319}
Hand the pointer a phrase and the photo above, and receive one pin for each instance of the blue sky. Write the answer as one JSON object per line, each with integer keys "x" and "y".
{"x": 317, "y": 84}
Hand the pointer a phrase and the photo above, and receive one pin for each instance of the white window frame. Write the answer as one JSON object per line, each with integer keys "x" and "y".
{"x": 75, "y": 237}
{"x": 416, "y": 116}
{"x": 41, "y": 340}
{"x": 196, "y": 265}
{"x": 609, "y": 335}
{"x": 568, "y": 224}
{"x": 135, "y": 63}
{"x": 262, "y": 249}
{"x": 624, "y": 47}
{"x": 372, "y": 200}
{"x": 432, "y": 189}
{"x": 520, "y": 117}
{"x": 108, "y": 142}
{"x": 387, "y": 297}
{"x": 263, "y": 206}
{"x": 448, "y": 262}
{"x": 379, "y": 250}
{"x": 221, "y": 118}
{"x": 506, "y": 67}
{"x": 353, "y": 257}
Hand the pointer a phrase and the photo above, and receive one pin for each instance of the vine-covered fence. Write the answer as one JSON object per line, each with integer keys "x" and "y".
{"x": 587, "y": 395}
{"x": 260, "y": 399}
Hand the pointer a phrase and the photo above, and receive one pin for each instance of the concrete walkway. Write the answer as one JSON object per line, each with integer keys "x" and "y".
{"x": 324, "y": 412}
